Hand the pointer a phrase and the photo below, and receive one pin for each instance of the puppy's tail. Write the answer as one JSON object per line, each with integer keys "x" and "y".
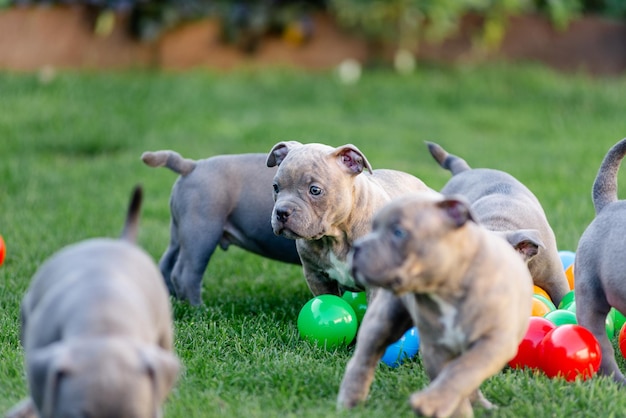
{"x": 605, "y": 185}
{"x": 131, "y": 227}
{"x": 448, "y": 161}
{"x": 170, "y": 159}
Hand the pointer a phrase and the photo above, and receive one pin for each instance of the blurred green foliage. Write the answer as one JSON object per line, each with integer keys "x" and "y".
{"x": 402, "y": 23}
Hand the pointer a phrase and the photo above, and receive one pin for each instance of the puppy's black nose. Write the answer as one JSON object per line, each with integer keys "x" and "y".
{"x": 282, "y": 214}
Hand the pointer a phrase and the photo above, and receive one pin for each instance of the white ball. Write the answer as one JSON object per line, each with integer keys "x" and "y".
{"x": 349, "y": 71}
{"x": 404, "y": 61}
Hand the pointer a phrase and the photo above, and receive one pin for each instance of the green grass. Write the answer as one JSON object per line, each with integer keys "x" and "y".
{"x": 69, "y": 156}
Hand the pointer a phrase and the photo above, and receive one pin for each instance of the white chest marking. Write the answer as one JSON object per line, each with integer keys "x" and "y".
{"x": 452, "y": 336}
{"x": 340, "y": 271}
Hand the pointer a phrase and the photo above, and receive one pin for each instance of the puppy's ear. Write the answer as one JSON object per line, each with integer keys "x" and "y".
{"x": 279, "y": 152}
{"x": 352, "y": 159}
{"x": 162, "y": 367}
{"x": 525, "y": 241}
{"x": 47, "y": 366}
{"x": 457, "y": 210}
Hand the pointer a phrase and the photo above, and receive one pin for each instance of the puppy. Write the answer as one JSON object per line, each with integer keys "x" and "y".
{"x": 503, "y": 204}
{"x": 97, "y": 331}
{"x": 599, "y": 265}
{"x": 221, "y": 200}
{"x": 467, "y": 291}
{"x": 325, "y": 198}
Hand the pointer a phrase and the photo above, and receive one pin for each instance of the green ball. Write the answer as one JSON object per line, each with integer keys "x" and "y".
{"x": 561, "y": 317}
{"x": 328, "y": 321}
{"x": 618, "y": 319}
{"x": 567, "y": 300}
{"x": 610, "y": 326}
{"x": 358, "y": 301}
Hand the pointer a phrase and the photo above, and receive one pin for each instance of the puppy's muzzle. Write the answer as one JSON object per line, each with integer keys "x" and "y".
{"x": 283, "y": 214}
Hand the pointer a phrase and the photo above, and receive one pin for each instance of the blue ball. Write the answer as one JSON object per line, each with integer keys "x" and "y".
{"x": 405, "y": 348}
{"x": 567, "y": 258}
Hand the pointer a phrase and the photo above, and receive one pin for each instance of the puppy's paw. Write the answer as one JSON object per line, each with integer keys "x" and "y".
{"x": 346, "y": 400}
{"x": 438, "y": 404}
{"x": 24, "y": 409}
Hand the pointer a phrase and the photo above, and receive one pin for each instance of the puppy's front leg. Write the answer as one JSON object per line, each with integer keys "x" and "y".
{"x": 459, "y": 379}
{"x": 385, "y": 320}
{"x": 319, "y": 284}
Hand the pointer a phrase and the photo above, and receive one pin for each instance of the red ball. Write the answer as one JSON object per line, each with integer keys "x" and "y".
{"x": 527, "y": 354}
{"x": 570, "y": 351}
{"x": 622, "y": 340}
{"x": 3, "y": 250}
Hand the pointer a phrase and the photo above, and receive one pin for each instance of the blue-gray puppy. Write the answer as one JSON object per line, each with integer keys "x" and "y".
{"x": 222, "y": 200}
{"x": 504, "y": 205}
{"x": 97, "y": 332}
{"x": 600, "y": 265}
{"x": 467, "y": 291}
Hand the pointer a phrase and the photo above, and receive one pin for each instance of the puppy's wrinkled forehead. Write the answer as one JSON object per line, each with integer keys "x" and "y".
{"x": 316, "y": 156}
{"x": 391, "y": 214}
{"x": 424, "y": 213}
{"x": 306, "y": 164}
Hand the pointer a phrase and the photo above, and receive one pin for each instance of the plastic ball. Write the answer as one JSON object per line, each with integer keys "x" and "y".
{"x": 545, "y": 300}
{"x": 527, "y": 353}
{"x": 403, "y": 349}
{"x": 569, "y": 273}
{"x": 3, "y": 250}
{"x": 358, "y": 301}
{"x": 571, "y": 307}
{"x": 349, "y": 71}
{"x": 539, "y": 291}
{"x": 328, "y": 321}
{"x": 618, "y": 320}
{"x": 621, "y": 339}
{"x": 567, "y": 258}
{"x": 610, "y": 326}
{"x": 539, "y": 308}
{"x": 567, "y": 300}
{"x": 571, "y": 352}
{"x": 561, "y": 317}
{"x": 608, "y": 323}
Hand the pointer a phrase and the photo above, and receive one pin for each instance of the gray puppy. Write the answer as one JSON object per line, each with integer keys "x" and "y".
{"x": 599, "y": 265}
{"x": 464, "y": 287}
{"x": 222, "y": 200}
{"x": 504, "y": 205}
{"x": 325, "y": 198}
{"x": 97, "y": 331}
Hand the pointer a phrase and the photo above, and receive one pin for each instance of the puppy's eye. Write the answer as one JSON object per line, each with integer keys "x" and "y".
{"x": 315, "y": 190}
{"x": 398, "y": 232}
{"x": 275, "y": 188}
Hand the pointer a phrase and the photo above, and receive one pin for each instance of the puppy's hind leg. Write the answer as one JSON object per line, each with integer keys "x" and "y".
{"x": 385, "y": 321}
{"x": 197, "y": 245}
{"x": 591, "y": 312}
{"x": 169, "y": 258}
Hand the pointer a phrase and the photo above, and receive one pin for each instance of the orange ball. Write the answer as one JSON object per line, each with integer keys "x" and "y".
{"x": 539, "y": 308}
{"x": 569, "y": 273}
{"x": 539, "y": 291}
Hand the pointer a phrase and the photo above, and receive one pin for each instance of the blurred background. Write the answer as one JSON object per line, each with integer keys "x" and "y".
{"x": 536, "y": 88}
{"x": 569, "y": 35}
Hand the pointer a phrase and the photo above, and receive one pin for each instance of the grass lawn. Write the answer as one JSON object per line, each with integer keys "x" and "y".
{"x": 69, "y": 156}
